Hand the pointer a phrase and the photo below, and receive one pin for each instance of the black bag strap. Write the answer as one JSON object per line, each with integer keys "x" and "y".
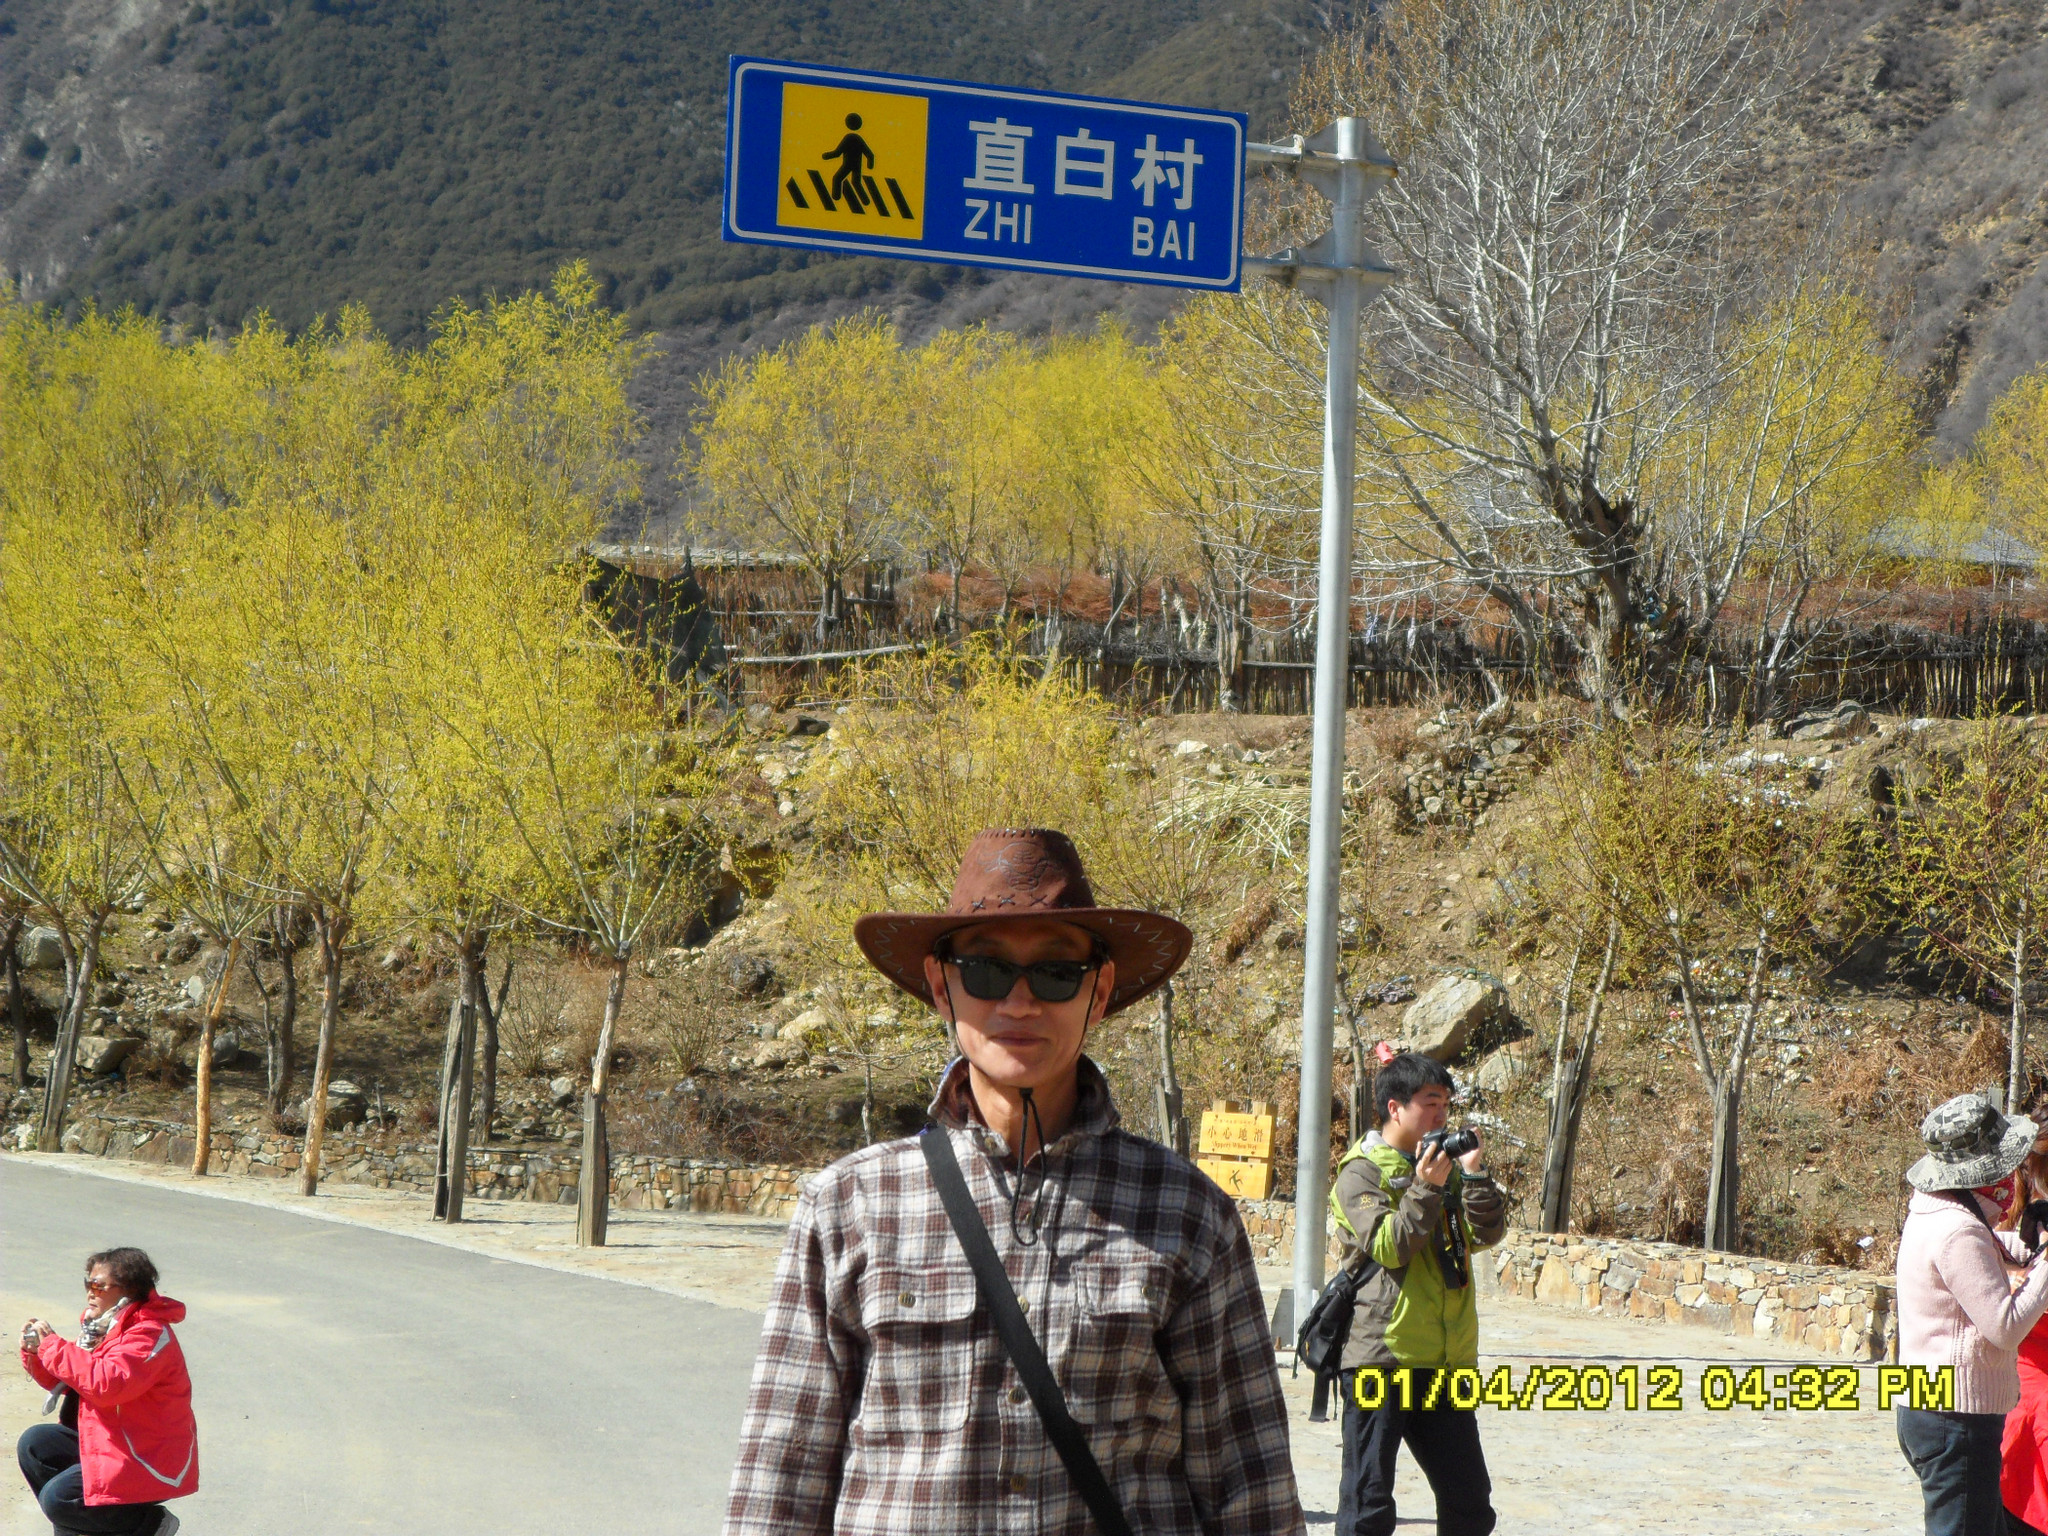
{"x": 1000, "y": 1297}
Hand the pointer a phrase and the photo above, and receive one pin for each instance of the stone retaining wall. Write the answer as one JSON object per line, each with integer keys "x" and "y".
{"x": 496, "y": 1172}
{"x": 1844, "y": 1312}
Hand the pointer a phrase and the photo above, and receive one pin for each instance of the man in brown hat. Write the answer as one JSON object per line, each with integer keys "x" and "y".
{"x": 893, "y": 1393}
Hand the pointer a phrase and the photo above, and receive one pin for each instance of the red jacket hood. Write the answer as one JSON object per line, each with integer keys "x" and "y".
{"x": 158, "y": 1306}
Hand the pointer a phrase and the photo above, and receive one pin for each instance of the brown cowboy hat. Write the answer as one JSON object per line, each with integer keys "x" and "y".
{"x": 1008, "y": 874}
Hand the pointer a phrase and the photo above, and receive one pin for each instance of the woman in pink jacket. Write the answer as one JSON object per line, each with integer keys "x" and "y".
{"x": 1960, "y": 1312}
{"x": 126, "y": 1440}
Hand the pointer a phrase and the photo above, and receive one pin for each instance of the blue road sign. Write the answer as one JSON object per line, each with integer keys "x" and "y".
{"x": 936, "y": 170}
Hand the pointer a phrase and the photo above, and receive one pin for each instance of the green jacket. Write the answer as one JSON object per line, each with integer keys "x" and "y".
{"x": 1406, "y": 1315}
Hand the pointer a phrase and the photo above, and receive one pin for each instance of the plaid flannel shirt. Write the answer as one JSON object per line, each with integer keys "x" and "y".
{"x": 884, "y": 1404}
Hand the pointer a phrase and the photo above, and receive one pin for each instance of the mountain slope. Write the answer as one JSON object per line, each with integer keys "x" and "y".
{"x": 396, "y": 152}
{"x": 203, "y": 160}
{"x": 1930, "y": 119}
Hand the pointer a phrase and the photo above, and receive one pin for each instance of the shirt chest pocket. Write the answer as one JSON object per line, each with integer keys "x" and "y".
{"x": 920, "y": 1368}
{"x": 1113, "y": 1375}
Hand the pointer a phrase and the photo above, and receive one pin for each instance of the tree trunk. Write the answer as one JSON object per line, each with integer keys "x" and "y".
{"x": 1569, "y": 1092}
{"x": 829, "y": 596}
{"x": 451, "y": 1056}
{"x": 278, "y": 1061}
{"x": 1230, "y": 655}
{"x": 1173, "y": 1120}
{"x": 487, "y": 1112}
{"x": 593, "y": 1188}
{"x": 867, "y": 1099}
{"x": 81, "y": 969}
{"x": 451, "y": 1174}
{"x": 1724, "y": 1165}
{"x": 1724, "y": 1172}
{"x": 2016, "y": 1045}
{"x": 333, "y": 930}
{"x": 202, "y": 1093}
{"x": 17, "y": 1013}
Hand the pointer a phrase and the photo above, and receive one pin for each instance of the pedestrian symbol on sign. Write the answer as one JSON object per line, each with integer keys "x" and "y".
{"x": 854, "y": 157}
{"x": 852, "y": 160}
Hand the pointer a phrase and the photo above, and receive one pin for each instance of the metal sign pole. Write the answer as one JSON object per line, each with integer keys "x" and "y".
{"x": 1345, "y": 165}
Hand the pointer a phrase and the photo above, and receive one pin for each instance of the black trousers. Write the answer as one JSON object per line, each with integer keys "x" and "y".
{"x": 1957, "y": 1457}
{"x": 1445, "y": 1444}
{"x": 48, "y": 1454}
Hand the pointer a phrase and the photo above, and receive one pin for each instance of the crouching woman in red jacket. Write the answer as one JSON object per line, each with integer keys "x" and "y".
{"x": 126, "y": 1440}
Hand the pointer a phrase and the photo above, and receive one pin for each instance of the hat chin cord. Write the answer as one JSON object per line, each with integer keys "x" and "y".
{"x": 1023, "y": 1220}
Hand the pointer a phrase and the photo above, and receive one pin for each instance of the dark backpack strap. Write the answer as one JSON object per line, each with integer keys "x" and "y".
{"x": 1000, "y": 1297}
{"x": 1968, "y": 1202}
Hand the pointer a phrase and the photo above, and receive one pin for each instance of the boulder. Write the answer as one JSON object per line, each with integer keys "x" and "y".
{"x": 1441, "y": 1020}
{"x": 780, "y": 1053}
{"x": 562, "y": 1092}
{"x": 227, "y": 1049}
{"x": 1190, "y": 748}
{"x": 803, "y": 1026}
{"x": 97, "y": 1055}
{"x": 195, "y": 988}
{"x": 1847, "y": 721}
{"x": 41, "y": 950}
{"x": 751, "y": 975}
{"x": 1503, "y": 1068}
{"x": 347, "y": 1105}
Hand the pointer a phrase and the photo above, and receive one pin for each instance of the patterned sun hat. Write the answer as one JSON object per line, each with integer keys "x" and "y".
{"x": 1970, "y": 1144}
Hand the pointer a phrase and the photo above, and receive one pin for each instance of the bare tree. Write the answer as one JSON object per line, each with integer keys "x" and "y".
{"x": 1970, "y": 869}
{"x": 1566, "y": 167}
{"x": 1571, "y": 1083}
{"x": 1732, "y": 882}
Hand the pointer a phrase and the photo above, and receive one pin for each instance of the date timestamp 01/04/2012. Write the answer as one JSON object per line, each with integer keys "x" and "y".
{"x": 1655, "y": 1388}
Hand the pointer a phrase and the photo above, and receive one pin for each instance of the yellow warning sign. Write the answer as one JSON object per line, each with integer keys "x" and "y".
{"x": 1246, "y": 1181}
{"x": 852, "y": 160}
{"x": 1236, "y": 1135}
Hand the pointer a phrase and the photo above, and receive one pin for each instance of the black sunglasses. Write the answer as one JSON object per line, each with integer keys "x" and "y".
{"x": 990, "y": 979}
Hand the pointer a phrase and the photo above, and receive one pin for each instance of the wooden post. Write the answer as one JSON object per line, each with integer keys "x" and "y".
{"x": 593, "y": 1182}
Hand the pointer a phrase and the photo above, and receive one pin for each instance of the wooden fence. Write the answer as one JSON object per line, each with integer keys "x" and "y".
{"x": 749, "y": 625}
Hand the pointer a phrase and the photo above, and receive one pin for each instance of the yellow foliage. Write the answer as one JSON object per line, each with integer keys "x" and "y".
{"x": 2012, "y": 454}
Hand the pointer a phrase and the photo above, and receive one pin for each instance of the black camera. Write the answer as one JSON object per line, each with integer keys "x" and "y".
{"x": 1452, "y": 1143}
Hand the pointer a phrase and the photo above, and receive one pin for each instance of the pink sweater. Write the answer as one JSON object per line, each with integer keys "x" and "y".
{"x": 1957, "y": 1307}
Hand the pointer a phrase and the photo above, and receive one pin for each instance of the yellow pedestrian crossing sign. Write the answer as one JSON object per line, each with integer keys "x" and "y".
{"x": 853, "y": 161}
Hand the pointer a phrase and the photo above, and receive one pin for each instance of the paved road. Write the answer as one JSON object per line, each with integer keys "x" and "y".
{"x": 348, "y": 1379}
{"x": 599, "y": 1405}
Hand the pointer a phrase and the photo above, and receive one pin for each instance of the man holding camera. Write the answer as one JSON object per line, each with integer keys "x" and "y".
{"x": 1412, "y": 1207}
